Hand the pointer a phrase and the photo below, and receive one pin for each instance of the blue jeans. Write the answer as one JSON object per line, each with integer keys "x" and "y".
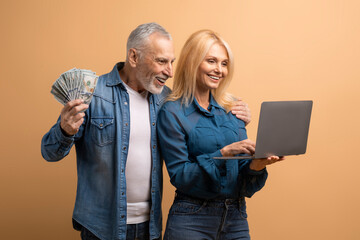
{"x": 138, "y": 231}
{"x": 221, "y": 219}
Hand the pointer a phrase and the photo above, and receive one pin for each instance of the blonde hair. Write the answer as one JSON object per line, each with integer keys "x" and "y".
{"x": 191, "y": 56}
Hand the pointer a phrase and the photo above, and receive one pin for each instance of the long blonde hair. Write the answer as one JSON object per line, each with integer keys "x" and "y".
{"x": 191, "y": 56}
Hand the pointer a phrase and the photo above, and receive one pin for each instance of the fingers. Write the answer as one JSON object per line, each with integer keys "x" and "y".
{"x": 72, "y": 116}
{"x": 249, "y": 148}
{"x": 273, "y": 159}
{"x": 246, "y": 146}
{"x": 243, "y": 116}
{"x": 72, "y": 104}
{"x": 241, "y": 110}
{"x": 74, "y": 107}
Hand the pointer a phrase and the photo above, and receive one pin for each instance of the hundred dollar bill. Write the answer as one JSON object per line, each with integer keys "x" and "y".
{"x": 75, "y": 84}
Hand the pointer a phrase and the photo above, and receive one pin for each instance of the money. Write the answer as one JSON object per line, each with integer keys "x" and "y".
{"x": 75, "y": 84}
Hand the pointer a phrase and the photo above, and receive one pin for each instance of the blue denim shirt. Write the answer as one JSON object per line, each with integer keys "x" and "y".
{"x": 101, "y": 150}
{"x": 190, "y": 137}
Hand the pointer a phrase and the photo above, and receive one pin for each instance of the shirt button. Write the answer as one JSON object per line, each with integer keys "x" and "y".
{"x": 126, "y": 124}
{"x": 124, "y": 148}
{"x": 125, "y": 103}
{"x": 101, "y": 124}
{"x": 122, "y": 216}
{"x": 123, "y": 193}
{"x": 153, "y": 124}
{"x": 154, "y": 146}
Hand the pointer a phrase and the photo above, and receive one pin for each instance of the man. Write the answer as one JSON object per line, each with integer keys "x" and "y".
{"x": 118, "y": 163}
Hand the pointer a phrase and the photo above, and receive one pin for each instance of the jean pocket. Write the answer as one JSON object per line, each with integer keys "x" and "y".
{"x": 102, "y": 130}
{"x": 184, "y": 207}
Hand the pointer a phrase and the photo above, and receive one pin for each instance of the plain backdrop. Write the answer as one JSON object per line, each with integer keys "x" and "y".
{"x": 284, "y": 50}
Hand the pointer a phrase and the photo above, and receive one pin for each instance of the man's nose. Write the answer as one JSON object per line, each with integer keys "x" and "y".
{"x": 169, "y": 70}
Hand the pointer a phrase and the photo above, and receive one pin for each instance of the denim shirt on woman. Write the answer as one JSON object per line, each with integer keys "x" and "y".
{"x": 190, "y": 137}
{"x": 101, "y": 149}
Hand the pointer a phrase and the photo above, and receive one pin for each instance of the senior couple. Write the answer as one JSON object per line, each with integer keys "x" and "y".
{"x": 134, "y": 121}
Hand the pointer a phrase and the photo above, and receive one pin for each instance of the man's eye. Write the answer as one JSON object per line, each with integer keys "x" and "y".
{"x": 161, "y": 61}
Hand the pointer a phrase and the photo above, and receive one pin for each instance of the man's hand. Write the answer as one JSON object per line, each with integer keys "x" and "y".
{"x": 72, "y": 117}
{"x": 260, "y": 164}
{"x": 241, "y": 110}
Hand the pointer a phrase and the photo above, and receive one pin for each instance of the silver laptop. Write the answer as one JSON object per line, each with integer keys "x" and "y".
{"x": 283, "y": 129}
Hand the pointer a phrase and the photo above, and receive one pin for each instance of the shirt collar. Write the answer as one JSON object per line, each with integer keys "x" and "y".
{"x": 194, "y": 105}
{"x": 114, "y": 77}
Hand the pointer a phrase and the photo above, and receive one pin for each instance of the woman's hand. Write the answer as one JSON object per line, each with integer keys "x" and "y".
{"x": 260, "y": 164}
{"x": 246, "y": 146}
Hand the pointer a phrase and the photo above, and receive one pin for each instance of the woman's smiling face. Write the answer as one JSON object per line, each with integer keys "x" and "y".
{"x": 213, "y": 68}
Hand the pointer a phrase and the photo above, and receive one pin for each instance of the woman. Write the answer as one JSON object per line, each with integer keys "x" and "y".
{"x": 194, "y": 126}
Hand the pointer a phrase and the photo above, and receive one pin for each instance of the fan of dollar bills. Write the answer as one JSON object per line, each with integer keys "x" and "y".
{"x": 75, "y": 84}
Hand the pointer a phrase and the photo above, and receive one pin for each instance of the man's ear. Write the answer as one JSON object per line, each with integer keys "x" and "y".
{"x": 133, "y": 57}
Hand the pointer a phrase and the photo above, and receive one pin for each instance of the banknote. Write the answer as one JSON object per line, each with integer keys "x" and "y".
{"x": 75, "y": 84}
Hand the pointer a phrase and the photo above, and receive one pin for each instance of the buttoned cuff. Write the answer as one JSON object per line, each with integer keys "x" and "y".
{"x": 253, "y": 172}
{"x": 61, "y": 137}
{"x": 218, "y": 162}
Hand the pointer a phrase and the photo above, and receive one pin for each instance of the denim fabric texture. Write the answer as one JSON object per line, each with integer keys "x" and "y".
{"x": 138, "y": 231}
{"x": 87, "y": 235}
{"x": 190, "y": 137}
{"x": 207, "y": 219}
{"x": 210, "y": 201}
{"x": 101, "y": 151}
{"x": 133, "y": 232}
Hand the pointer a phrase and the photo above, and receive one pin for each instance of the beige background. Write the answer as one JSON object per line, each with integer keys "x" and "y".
{"x": 284, "y": 50}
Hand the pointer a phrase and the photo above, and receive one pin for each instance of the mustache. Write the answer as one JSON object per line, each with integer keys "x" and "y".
{"x": 162, "y": 77}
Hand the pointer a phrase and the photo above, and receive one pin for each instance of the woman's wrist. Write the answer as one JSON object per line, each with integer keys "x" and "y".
{"x": 256, "y": 166}
{"x": 224, "y": 151}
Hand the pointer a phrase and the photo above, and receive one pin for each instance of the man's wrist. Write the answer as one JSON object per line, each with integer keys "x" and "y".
{"x": 64, "y": 132}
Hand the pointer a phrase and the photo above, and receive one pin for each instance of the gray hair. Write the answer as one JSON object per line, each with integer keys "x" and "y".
{"x": 139, "y": 36}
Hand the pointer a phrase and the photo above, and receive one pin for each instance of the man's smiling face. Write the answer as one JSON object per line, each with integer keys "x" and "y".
{"x": 155, "y": 65}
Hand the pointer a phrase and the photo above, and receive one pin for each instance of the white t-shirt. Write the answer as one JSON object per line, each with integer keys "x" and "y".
{"x": 138, "y": 163}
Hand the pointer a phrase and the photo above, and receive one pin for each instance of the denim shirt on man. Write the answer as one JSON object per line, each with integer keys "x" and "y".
{"x": 101, "y": 149}
{"x": 190, "y": 137}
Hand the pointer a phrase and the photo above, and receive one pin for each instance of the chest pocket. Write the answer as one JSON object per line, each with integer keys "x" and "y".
{"x": 229, "y": 132}
{"x": 206, "y": 139}
{"x": 102, "y": 130}
{"x": 202, "y": 140}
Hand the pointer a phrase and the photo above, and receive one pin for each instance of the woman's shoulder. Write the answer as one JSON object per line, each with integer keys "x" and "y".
{"x": 172, "y": 106}
{"x": 231, "y": 117}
